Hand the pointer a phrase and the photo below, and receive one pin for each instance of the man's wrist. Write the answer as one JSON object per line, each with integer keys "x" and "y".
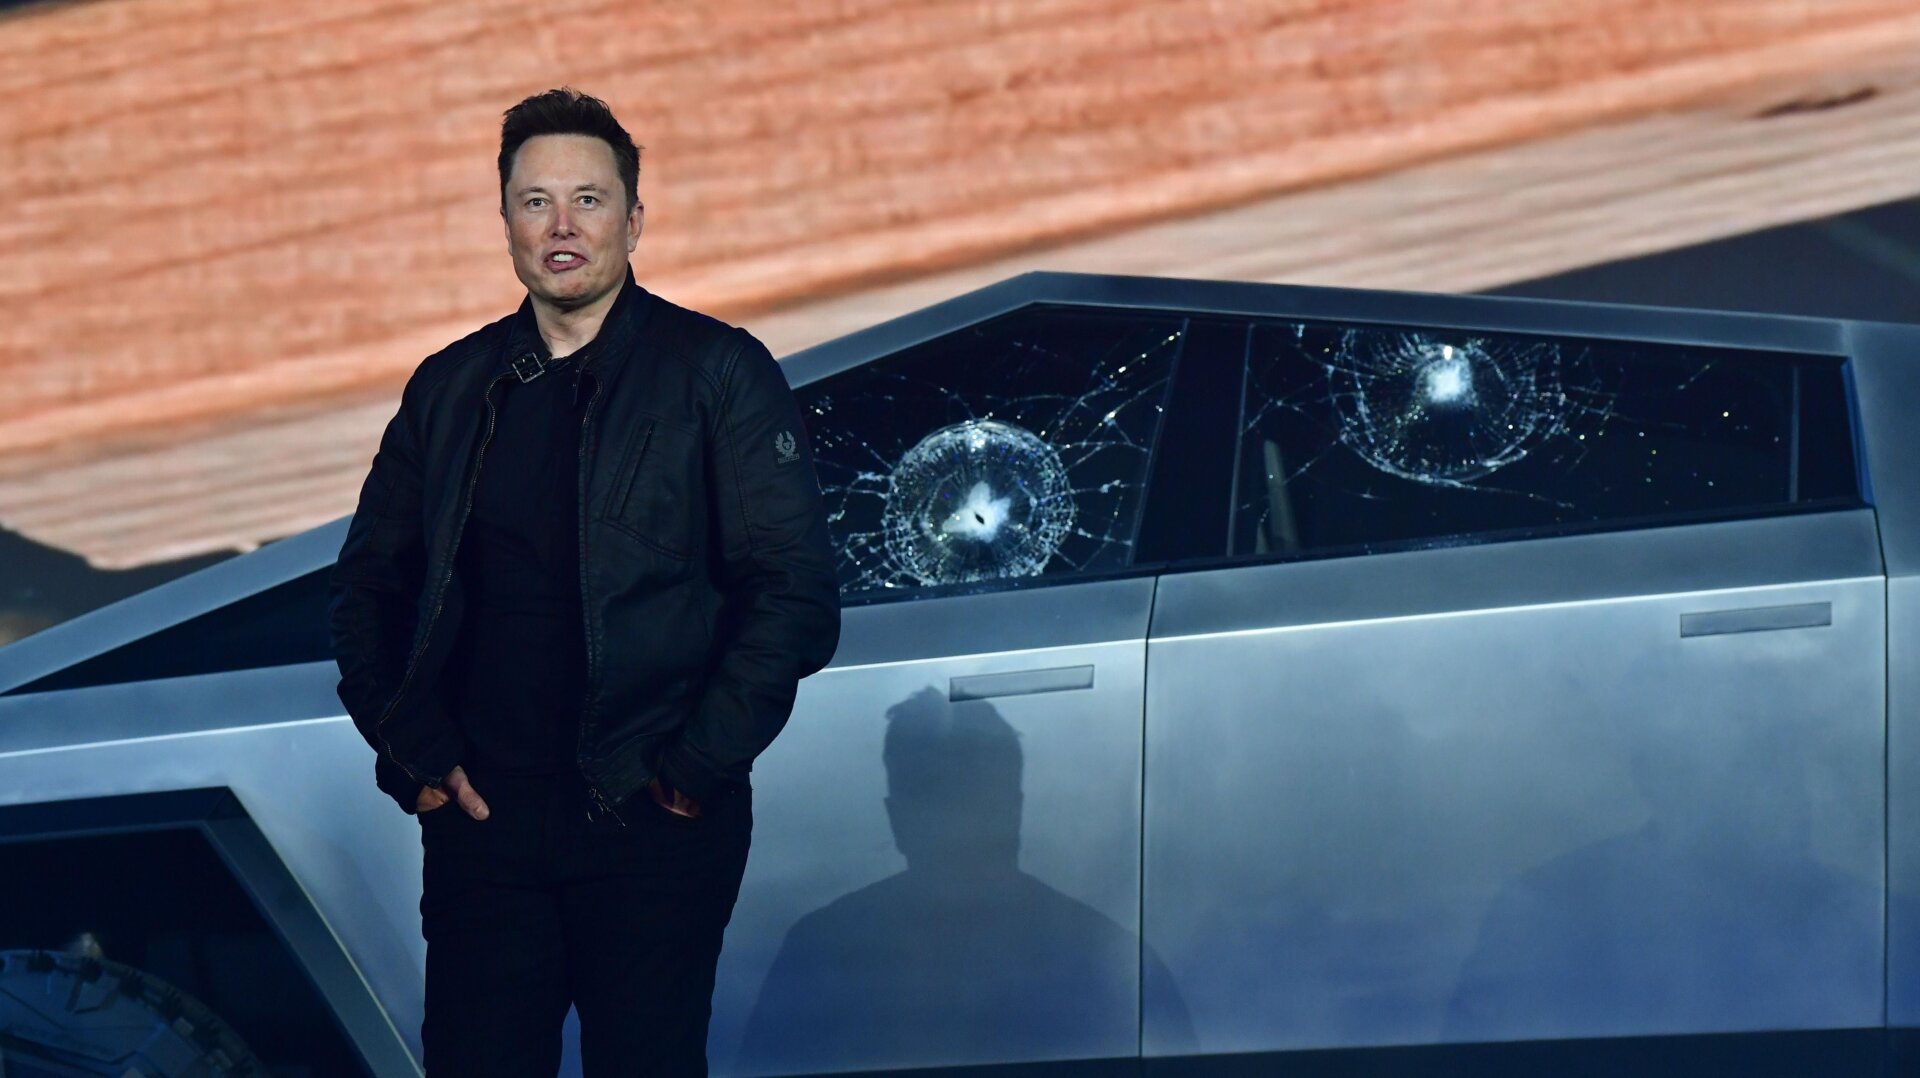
{"x": 683, "y": 774}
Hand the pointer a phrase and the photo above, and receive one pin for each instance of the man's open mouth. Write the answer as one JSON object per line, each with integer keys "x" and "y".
{"x": 565, "y": 260}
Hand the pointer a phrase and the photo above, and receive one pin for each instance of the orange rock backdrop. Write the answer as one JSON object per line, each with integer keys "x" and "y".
{"x": 225, "y": 208}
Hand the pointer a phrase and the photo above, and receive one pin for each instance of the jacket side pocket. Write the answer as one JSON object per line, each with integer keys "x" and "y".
{"x": 654, "y": 489}
{"x": 629, "y": 464}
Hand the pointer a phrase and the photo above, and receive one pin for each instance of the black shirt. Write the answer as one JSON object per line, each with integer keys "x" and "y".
{"x": 517, "y": 671}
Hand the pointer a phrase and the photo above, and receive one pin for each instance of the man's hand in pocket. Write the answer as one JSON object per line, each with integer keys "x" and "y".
{"x": 672, "y": 800}
{"x": 456, "y": 787}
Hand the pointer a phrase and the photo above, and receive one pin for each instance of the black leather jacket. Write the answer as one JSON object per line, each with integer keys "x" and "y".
{"x": 706, "y": 574}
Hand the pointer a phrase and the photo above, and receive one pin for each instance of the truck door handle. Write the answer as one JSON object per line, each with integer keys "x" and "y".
{"x": 1020, "y": 683}
{"x": 1757, "y": 619}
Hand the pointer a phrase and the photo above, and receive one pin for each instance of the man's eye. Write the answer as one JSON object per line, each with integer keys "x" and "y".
{"x": 589, "y": 199}
{"x": 536, "y": 203}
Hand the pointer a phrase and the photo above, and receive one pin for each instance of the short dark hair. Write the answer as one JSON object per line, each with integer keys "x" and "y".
{"x": 567, "y": 111}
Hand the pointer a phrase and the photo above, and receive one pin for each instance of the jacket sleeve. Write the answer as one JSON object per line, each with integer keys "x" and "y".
{"x": 371, "y": 614}
{"x": 776, "y": 562}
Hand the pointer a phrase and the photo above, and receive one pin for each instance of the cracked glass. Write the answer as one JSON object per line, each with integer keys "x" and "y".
{"x": 1014, "y": 449}
{"x": 1363, "y": 437}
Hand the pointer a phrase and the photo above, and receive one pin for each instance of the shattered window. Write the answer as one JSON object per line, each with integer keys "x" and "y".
{"x": 1357, "y": 437}
{"x": 1012, "y": 449}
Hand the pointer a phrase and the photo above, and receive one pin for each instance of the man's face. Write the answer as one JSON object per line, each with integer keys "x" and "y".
{"x": 568, "y": 226}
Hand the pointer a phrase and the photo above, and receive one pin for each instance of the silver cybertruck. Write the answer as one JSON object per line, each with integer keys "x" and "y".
{"x": 1235, "y": 679}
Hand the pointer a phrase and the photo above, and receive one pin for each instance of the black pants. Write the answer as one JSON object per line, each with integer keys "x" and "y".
{"x": 538, "y": 907}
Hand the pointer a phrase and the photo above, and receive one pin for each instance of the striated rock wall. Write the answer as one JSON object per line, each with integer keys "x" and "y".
{"x": 223, "y": 212}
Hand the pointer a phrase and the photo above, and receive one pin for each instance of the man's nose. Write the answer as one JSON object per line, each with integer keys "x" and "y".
{"x": 562, "y": 222}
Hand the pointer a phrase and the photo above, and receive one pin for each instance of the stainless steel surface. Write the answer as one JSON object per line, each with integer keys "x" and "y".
{"x": 1903, "y": 801}
{"x": 305, "y": 784}
{"x": 136, "y": 924}
{"x": 1759, "y": 619}
{"x": 1570, "y": 569}
{"x": 1480, "y": 792}
{"x": 175, "y": 707}
{"x": 96, "y": 631}
{"x": 1886, "y": 375}
{"x": 1493, "y": 820}
{"x": 941, "y": 883}
{"x": 1024, "y": 619}
{"x": 283, "y": 901}
{"x": 1020, "y": 683}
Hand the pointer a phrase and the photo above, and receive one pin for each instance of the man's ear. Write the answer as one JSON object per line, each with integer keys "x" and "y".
{"x": 506, "y": 226}
{"x": 636, "y": 220}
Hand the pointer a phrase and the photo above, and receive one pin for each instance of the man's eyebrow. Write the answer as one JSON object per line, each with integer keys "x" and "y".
{"x": 537, "y": 189}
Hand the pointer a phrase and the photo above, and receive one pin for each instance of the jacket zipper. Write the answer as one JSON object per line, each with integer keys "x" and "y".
{"x": 586, "y": 616}
{"x": 440, "y": 592}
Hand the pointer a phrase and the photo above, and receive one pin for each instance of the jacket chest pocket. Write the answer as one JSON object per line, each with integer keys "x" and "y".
{"x": 651, "y": 497}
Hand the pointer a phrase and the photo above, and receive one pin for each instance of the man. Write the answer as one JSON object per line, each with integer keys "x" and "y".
{"x": 588, "y": 567}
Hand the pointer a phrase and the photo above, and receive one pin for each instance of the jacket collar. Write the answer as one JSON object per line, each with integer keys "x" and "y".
{"x": 608, "y": 347}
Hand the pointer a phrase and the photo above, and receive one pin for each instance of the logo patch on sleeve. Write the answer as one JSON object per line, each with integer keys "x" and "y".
{"x": 787, "y": 446}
